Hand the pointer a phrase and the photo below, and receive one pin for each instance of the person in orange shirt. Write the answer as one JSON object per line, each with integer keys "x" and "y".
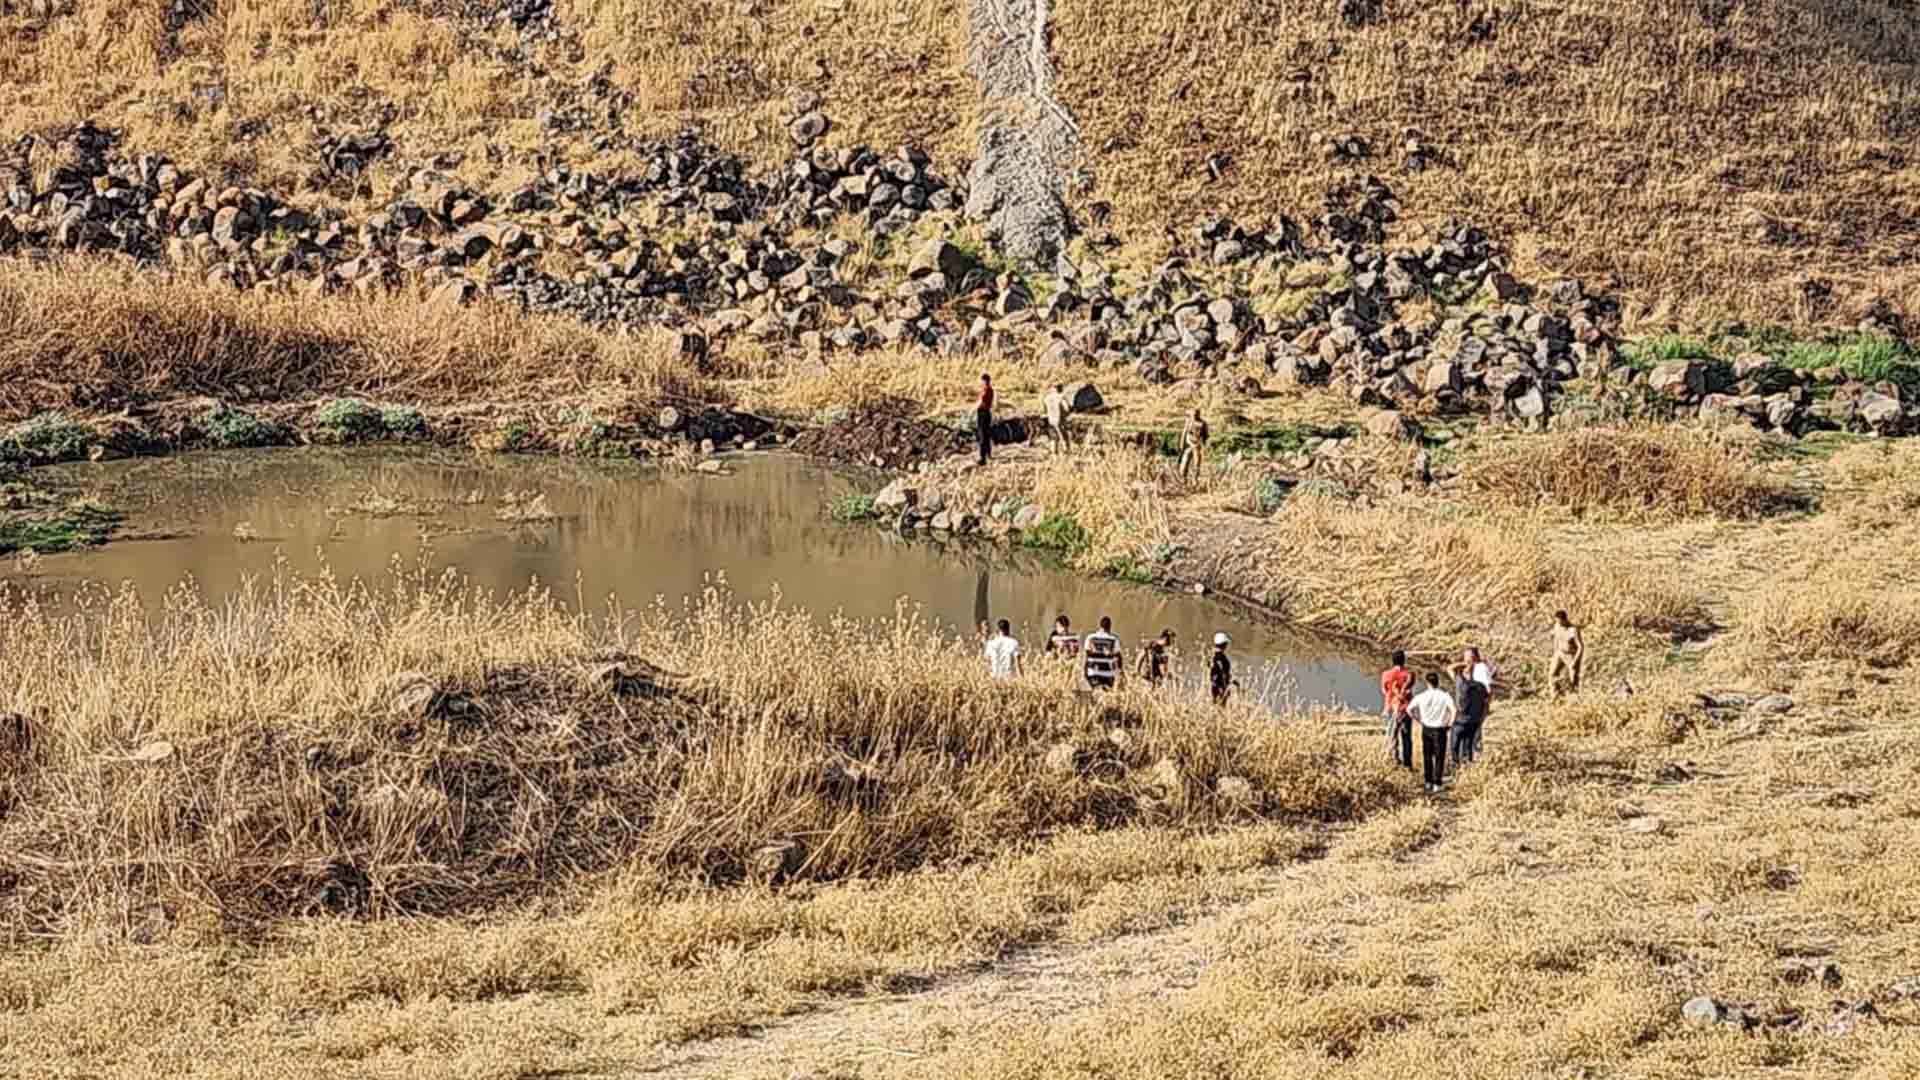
{"x": 1396, "y": 690}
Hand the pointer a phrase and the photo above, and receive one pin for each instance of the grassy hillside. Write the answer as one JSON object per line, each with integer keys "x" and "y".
{"x": 1741, "y": 159}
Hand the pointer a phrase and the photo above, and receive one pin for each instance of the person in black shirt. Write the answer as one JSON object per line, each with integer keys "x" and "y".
{"x": 983, "y": 417}
{"x": 1153, "y": 660}
{"x": 1470, "y": 696}
{"x": 1220, "y": 674}
{"x": 1063, "y": 641}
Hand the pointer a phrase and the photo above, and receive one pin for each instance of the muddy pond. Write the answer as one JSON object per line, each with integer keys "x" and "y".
{"x": 628, "y": 532}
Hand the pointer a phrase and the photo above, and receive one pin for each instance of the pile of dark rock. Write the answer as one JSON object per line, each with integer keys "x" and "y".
{"x": 846, "y": 249}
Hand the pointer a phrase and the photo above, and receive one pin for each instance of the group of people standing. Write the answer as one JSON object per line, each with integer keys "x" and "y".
{"x": 1100, "y": 658}
{"x": 1450, "y": 717}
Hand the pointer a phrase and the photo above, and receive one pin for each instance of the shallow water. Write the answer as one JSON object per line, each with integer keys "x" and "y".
{"x": 629, "y": 532}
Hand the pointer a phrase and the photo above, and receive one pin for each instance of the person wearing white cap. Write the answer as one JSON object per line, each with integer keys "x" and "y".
{"x": 1221, "y": 673}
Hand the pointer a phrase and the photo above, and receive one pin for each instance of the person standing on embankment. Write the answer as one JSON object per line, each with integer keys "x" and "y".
{"x": 1153, "y": 660}
{"x": 983, "y": 417}
{"x": 1193, "y": 447}
{"x": 1003, "y": 653}
{"x": 1220, "y": 672}
{"x": 1569, "y": 656}
{"x": 1055, "y": 402}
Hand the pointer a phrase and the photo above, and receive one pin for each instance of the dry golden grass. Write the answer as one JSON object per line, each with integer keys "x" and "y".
{"x": 425, "y": 750}
{"x": 102, "y": 337}
{"x": 248, "y": 90}
{"x": 1610, "y": 857}
{"x": 1555, "y": 914}
{"x": 1642, "y": 473}
{"x": 1706, "y": 154}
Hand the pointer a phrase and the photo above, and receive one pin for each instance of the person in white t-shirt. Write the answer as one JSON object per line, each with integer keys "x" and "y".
{"x": 1434, "y": 710}
{"x": 1003, "y": 653}
{"x": 1480, "y": 671}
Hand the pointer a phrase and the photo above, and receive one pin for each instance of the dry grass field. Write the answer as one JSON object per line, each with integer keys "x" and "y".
{"x": 406, "y": 829}
{"x": 1710, "y": 156}
{"x": 410, "y": 830}
{"x": 100, "y": 337}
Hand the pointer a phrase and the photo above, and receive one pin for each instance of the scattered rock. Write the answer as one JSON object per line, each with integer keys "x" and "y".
{"x": 1234, "y": 790}
{"x": 1060, "y": 758}
{"x": 152, "y": 753}
{"x": 1799, "y": 972}
{"x": 1391, "y": 424}
{"x": 1705, "y": 1011}
{"x": 777, "y": 862}
{"x": 1083, "y": 397}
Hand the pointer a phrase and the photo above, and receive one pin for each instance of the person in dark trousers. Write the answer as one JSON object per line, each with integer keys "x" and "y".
{"x": 983, "y": 417}
{"x": 1154, "y": 658}
{"x": 1220, "y": 673}
{"x": 1470, "y": 697}
{"x": 1434, "y": 711}
{"x": 1102, "y": 650}
{"x": 1396, "y": 690}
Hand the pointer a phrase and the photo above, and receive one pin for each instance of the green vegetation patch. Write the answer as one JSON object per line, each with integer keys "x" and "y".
{"x": 355, "y": 420}
{"x": 235, "y": 429}
{"x": 1649, "y": 353}
{"x": 1270, "y": 441}
{"x": 348, "y": 420}
{"x": 45, "y": 439}
{"x": 41, "y": 525}
{"x": 1059, "y": 532}
{"x": 1866, "y": 357}
{"x": 403, "y": 422}
{"x": 853, "y": 506}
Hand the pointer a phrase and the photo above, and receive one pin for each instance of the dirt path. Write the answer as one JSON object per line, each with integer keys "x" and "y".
{"x": 846, "y": 1037}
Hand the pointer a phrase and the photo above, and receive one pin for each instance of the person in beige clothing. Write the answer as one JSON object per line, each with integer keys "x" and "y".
{"x": 1569, "y": 656}
{"x": 1193, "y": 444}
{"x": 1055, "y": 402}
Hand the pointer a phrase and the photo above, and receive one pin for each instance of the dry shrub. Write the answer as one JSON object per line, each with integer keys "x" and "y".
{"x": 1874, "y": 484}
{"x": 1839, "y": 617}
{"x": 1646, "y": 473}
{"x": 310, "y": 747}
{"x": 102, "y": 336}
{"x": 1418, "y": 575}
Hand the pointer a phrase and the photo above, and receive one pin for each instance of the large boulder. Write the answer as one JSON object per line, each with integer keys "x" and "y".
{"x": 1683, "y": 380}
{"x": 1082, "y": 397}
{"x": 1392, "y": 424}
{"x": 941, "y": 257}
{"x": 1881, "y": 413}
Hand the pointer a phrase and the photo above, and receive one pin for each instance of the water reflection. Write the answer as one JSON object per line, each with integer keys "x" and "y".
{"x": 626, "y": 531}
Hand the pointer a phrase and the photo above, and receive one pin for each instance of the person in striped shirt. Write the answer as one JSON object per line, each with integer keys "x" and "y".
{"x": 1103, "y": 657}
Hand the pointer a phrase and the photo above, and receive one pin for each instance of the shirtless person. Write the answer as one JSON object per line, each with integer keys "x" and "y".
{"x": 1055, "y": 403}
{"x": 1193, "y": 442}
{"x": 1569, "y": 655}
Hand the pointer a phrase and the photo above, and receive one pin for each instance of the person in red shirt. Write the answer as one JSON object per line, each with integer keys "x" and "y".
{"x": 983, "y": 417}
{"x": 1396, "y": 690}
